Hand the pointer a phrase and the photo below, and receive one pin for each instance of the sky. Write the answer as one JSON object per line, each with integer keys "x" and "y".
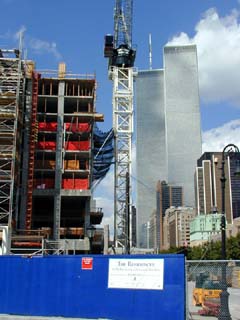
{"x": 73, "y": 32}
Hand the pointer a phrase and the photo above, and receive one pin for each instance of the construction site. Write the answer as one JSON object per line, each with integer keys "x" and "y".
{"x": 57, "y": 256}
{"x": 53, "y": 155}
{"x": 47, "y": 155}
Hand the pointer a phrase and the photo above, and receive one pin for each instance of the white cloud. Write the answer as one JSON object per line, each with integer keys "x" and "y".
{"x": 105, "y": 202}
{"x": 104, "y": 196}
{"x": 20, "y": 33}
{"x": 213, "y": 140}
{"x": 38, "y": 46}
{"x": 41, "y": 47}
{"x": 216, "y": 139}
{"x": 110, "y": 222}
{"x": 218, "y": 43}
{"x": 107, "y": 183}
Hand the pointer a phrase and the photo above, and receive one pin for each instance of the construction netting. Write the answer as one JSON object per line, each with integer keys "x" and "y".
{"x": 103, "y": 152}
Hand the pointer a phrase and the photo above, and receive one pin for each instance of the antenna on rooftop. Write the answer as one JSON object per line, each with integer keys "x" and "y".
{"x": 20, "y": 35}
{"x": 150, "y": 51}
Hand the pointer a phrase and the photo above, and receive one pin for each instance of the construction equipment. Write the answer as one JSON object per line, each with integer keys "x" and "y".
{"x": 11, "y": 114}
{"x": 118, "y": 49}
{"x": 206, "y": 292}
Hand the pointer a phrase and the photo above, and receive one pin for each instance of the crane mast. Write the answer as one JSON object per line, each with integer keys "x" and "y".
{"x": 123, "y": 23}
{"x": 118, "y": 48}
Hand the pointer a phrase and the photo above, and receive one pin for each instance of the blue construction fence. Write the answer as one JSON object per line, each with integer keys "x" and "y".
{"x": 117, "y": 287}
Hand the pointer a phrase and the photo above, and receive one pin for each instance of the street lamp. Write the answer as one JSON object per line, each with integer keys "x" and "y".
{"x": 90, "y": 233}
{"x": 224, "y": 313}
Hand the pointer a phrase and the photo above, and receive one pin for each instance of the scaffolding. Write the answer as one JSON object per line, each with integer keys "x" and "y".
{"x": 46, "y": 146}
{"x": 32, "y": 142}
{"x": 11, "y": 102}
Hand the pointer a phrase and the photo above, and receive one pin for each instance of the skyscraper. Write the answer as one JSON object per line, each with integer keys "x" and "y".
{"x": 208, "y": 185}
{"x": 182, "y": 114}
{"x": 167, "y": 196}
{"x": 150, "y": 145}
{"x": 168, "y": 128}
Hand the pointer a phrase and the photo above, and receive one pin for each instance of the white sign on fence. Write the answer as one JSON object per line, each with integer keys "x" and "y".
{"x": 136, "y": 274}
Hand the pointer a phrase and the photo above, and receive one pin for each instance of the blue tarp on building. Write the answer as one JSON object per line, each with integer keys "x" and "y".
{"x": 103, "y": 152}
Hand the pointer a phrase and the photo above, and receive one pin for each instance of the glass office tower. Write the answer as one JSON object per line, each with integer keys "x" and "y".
{"x": 168, "y": 128}
{"x": 182, "y": 117}
{"x": 150, "y": 144}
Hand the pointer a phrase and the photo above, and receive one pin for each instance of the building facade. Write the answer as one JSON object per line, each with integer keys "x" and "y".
{"x": 47, "y": 127}
{"x": 153, "y": 232}
{"x": 204, "y": 228}
{"x": 183, "y": 139}
{"x": 150, "y": 144}
{"x": 176, "y": 227}
{"x": 208, "y": 185}
{"x": 167, "y": 123}
{"x": 166, "y": 196}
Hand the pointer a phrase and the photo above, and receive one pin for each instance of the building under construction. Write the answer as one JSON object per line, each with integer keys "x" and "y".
{"x": 47, "y": 123}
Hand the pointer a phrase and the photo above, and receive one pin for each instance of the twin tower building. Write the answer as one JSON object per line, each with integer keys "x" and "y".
{"x": 168, "y": 141}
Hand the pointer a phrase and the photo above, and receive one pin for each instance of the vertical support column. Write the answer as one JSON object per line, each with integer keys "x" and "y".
{"x": 115, "y": 187}
{"x": 123, "y": 129}
{"x": 58, "y": 169}
{"x": 127, "y": 228}
{"x": 106, "y": 239}
{"x": 16, "y": 85}
{"x": 23, "y": 205}
{"x": 32, "y": 142}
{"x": 87, "y": 222}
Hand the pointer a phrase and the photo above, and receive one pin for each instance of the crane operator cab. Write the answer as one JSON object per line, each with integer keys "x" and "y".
{"x": 122, "y": 57}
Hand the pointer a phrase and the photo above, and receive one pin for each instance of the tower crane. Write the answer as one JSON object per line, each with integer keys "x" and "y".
{"x": 118, "y": 49}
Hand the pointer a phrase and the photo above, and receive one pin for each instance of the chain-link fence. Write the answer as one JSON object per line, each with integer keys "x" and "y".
{"x": 213, "y": 289}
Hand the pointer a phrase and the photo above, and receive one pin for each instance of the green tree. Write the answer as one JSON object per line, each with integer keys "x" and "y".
{"x": 233, "y": 248}
{"x": 210, "y": 250}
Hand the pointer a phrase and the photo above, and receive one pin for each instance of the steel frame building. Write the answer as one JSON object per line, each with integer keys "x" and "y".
{"x": 46, "y": 159}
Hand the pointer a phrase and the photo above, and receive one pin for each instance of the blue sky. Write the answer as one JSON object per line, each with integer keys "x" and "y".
{"x": 73, "y": 32}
